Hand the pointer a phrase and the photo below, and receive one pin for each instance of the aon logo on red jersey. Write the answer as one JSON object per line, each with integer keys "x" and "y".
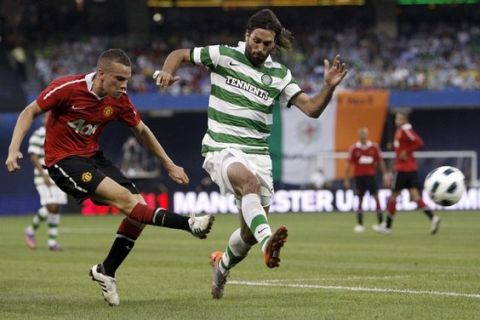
{"x": 366, "y": 160}
{"x": 83, "y": 128}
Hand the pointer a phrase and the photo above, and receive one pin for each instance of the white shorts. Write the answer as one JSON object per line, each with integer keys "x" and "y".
{"x": 216, "y": 164}
{"x": 51, "y": 195}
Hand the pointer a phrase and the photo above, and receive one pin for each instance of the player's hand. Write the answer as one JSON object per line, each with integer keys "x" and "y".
{"x": 334, "y": 73}
{"x": 164, "y": 79}
{"x": 12, "y": 161}
{"x": 178, "y": 175}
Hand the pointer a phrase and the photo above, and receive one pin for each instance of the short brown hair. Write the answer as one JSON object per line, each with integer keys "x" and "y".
{"x": 266, "y": 19}
{"x": 114, "y": 55}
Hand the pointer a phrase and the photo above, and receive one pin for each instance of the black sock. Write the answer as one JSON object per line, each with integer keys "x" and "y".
{"x": 428, "y": 213}
{"x": 380, "y": 217}
{"x": 360, "y": 218}
{"x": 389, "y": 221}
{"x": 171, "y": 220}
{"x": 120, "y": 249}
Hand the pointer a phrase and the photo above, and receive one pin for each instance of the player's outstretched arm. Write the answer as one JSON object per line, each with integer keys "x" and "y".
{"x": 24, "y": 122}
{"x": 166, "y": 77}
{"x": 148, "y": 140}
{"x": 333, "y": 75}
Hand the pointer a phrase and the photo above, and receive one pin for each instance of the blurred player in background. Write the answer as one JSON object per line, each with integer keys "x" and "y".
{"x": 245, "y": 82}
{"x": 365, "y": 158}
{"x": 406, "y": 141}
{"x": 51, "y": 197}
{"x": 80, "y": 107}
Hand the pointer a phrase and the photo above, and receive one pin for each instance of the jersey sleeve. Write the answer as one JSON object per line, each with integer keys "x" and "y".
{"x": 208, "y": 56}
{"x": 290, "y": 91}
{"x": 415, "y": 142}
{"x": 130, "y": 115}
{"x": 55, "y": 94}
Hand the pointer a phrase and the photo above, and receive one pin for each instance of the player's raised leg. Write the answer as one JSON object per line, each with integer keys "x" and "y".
{"x": 110, "y": 192}
{"x": 247, "y": 186}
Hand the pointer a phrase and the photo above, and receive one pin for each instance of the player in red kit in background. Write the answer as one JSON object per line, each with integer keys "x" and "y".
{"x": 80, "y": 107}
{"x": 365, "y": 157}
{"x": 406, "y": 141}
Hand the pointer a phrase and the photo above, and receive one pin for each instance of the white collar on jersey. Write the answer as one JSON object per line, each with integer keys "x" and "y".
{"x": 242, "y": 45}
{"x": 89, "y": 79}
{"x": 364, "y": 146}
{"x": 406, "y": 126}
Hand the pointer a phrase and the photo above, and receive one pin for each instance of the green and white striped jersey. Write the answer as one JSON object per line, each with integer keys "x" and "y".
{"x": 35, "y": 146}
{"x": 242, "y": 98}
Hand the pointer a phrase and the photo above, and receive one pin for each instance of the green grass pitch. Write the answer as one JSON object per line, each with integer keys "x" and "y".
{"x": 327, "y": 271}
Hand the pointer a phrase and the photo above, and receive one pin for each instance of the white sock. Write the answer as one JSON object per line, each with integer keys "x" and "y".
{"x": 53, "y": 220}
{"x": 256, "y": 218}
{"x": 236, "y": 251}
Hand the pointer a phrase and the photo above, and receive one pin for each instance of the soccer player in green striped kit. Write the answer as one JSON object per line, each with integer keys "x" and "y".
{"x": 245, "y": 83}
{"x": 51, "y": 197}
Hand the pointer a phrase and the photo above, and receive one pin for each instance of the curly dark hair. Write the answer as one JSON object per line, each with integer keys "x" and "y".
{"x": 266, "y": 19}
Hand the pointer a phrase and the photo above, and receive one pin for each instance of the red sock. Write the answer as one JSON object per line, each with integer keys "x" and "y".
{"x": 128, "y": 229}
{"x": 392, "y": 207}
{"x": 142, "y": 213}
{"x": 421, "y": 204}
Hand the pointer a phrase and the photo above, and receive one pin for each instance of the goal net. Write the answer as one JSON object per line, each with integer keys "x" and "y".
{"x": 332, "y": 165}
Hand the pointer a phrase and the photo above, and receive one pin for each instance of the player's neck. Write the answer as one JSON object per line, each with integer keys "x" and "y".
{"x": 97, "y": 88}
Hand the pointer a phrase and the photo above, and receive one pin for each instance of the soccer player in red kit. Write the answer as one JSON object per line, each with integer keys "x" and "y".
{"x": 365, "y": 157}
{"x": 406, "y": 141}
{"x": 80, "y": 106}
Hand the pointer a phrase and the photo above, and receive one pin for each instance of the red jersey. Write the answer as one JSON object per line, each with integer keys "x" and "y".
{"x": 364, "y": 158}
{"x": 406, "y": 139}
{"x": 78, "y": 116}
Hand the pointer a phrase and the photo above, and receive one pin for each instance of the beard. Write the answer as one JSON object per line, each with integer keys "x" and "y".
{"x": 256, "y": 59}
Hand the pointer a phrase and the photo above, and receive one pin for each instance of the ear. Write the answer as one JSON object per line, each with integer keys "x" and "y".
{"x": 100, "y": 73}
{"x": 247, "y": 34}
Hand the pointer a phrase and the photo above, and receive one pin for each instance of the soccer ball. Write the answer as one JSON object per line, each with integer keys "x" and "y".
{"x": 445, "y": 185}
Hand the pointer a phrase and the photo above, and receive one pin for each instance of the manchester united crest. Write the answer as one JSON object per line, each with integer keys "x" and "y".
{"x": 107, "y": 111}
{"x": 87, "y": 176}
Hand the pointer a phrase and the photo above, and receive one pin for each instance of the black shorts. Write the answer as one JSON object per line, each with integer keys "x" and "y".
{"x": 362, "y": 184}
{"x": 406, "y": 180}
{"x": 80, "y": 176}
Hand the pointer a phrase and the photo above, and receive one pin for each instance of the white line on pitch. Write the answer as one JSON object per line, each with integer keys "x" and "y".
{"x": 361, "y": 289}
{"x": 340, "y": 278}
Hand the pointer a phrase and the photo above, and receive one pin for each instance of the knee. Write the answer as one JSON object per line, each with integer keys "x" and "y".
{"x": 251, "y": 185}
{"x": 125, "y": 200}
{"x": 53, "y": 208}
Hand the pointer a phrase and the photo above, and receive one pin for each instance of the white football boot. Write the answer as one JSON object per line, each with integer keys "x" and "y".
{"x": 382, "y": 228}
{"x": 359, "y": 228}
{"x": 200, "y": 225}
{"x": 106, "y": 283}
{"x": 377, "y": 227}
{"x": 435, "y": 224}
